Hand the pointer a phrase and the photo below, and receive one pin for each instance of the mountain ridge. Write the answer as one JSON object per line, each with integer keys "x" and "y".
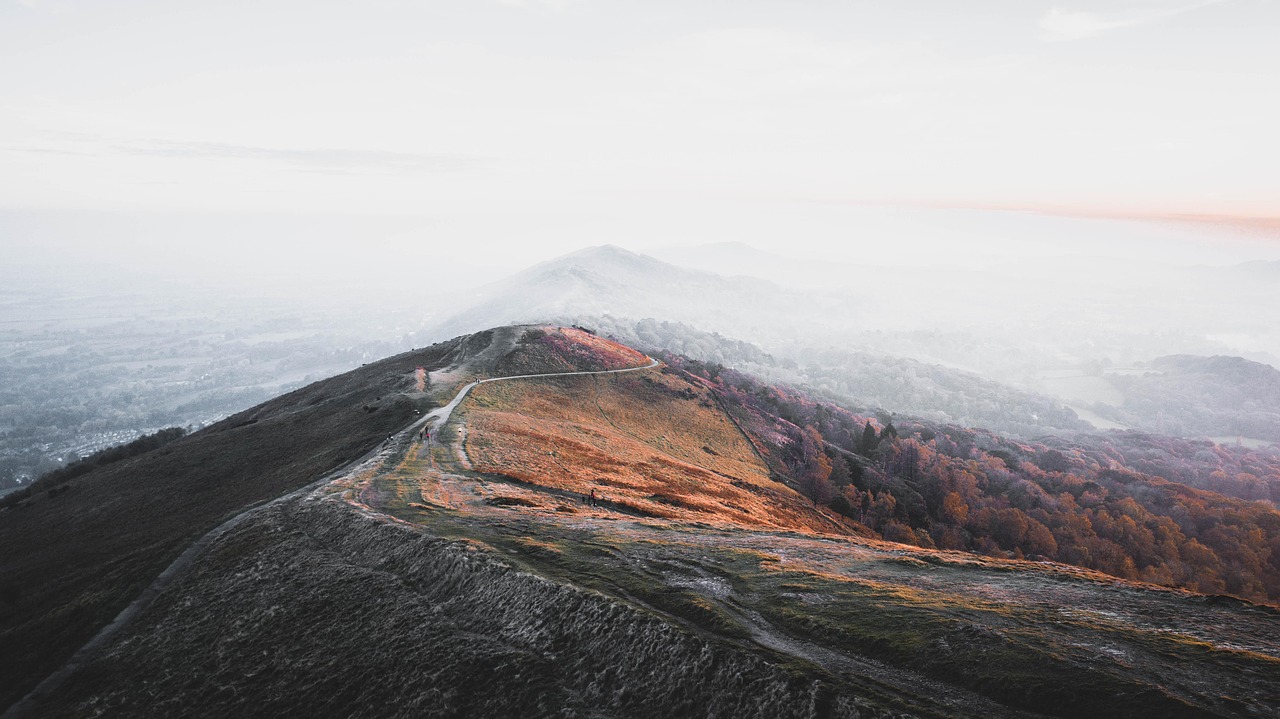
{"x": 472, "y": 572}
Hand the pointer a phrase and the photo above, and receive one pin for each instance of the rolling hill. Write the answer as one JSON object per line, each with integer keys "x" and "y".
{"x": 797, "y": 336}
{"x": 585, "y": 533}
{"x": 609, "y": 280}
{"x": 1215, "y": 396}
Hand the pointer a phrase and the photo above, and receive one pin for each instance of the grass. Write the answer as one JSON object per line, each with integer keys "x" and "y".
{"x": 71, "y": 562}
{"x": 566, "y": 349}
{"x": 994, "y": 649}
{"x": 713, "y": 547}
{"x": 1018, "y": 652}
{"x": 993, "y": 627}
{"x": 638, "y": 441}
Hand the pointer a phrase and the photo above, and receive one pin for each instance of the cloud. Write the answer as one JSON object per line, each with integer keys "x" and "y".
{"x": 337, "y": 161}
{"x": 1064, "y": 25}
{"x": 340, "y": 161}
{"x": 558, "y": 6}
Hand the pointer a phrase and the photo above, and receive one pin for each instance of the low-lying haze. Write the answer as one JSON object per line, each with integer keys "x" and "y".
{"x": 200, "y": 206}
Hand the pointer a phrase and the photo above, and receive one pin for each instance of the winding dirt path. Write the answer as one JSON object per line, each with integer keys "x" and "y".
{"x": 437, "y": 418}
{"x": 932, "y": 694}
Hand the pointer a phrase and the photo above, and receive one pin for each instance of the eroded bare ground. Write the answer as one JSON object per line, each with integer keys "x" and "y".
{"x": 943, "y": 632}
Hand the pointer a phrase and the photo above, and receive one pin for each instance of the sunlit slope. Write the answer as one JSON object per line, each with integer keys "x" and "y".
{"x": 651, "y": 443}
{"x": 466, "y": 574}
{"x": 692, "y": 529}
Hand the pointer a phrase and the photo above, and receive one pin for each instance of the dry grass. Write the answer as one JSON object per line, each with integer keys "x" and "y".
{"x": 78, "y": 558}
{"x": 727, "y": 552}
{"x": 650, "y": 442}
{"x": 566, "y": 349}
{"x": 610, "y": 354}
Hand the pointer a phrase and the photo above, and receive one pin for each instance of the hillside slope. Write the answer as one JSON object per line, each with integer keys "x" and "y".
{"x": 609, "y": 280}
{"x": 467, "y": 573}
{"x": 1135, "y": 506}
{"x": 880, "y": 382}
{"x": 614, "y": 291}
{"x": 1187, "y": 395}
{"x": 75, "y": 554}
{"x": 652, "y": 444}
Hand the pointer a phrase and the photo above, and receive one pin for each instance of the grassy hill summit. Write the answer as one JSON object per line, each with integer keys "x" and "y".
{"x": 537, "y": 521}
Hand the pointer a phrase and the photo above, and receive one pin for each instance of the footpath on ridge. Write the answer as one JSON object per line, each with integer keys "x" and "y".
{"x": 436, "y": 418}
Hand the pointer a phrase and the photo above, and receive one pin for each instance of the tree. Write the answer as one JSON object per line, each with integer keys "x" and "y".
{"x": 954, "y": 509}
{"x": 855, "y": 501}
{"x": 815, "y": 472}
{"x": 840, "y": 471}
{"x": 869, "y": 441}
{"x": 889, "y": 432}
{"x": 840, "y": 505}
{"x": 882, "y": 508}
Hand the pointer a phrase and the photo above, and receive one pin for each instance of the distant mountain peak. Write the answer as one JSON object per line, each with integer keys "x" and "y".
{"x": 601, "y": 257}
{"x": 605, "y": 250}
{"x": 607, "y": 279}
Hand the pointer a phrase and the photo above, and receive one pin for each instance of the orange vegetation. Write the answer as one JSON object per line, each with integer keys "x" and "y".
{"x": 608, "y": 353}
{"x": 648, "y": 442}
{"x": 567, "y": 349}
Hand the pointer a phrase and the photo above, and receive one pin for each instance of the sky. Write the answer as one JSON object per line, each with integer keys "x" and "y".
{"x": 554, "y": 123}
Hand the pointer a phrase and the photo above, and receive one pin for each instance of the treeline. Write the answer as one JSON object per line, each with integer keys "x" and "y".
{"x": 1210, "y": 396}
{"x": 934, "y": 392}
{"x": 1104, "y": 502}
{"x": 1228, "y": 470}
{"x": 51, "y": 482}
{"x": 925, "y": 390}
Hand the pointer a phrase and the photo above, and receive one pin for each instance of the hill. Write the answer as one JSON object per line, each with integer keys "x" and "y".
{"x": 801, "y": 336}
{"x": 469, "y": 571}
{"x": 78, "y": 551}
{"x": 1122, "y": 503}
{"x": 609, "y": 280}
{"x": 819, "y": 333}
{"x": 874, "y": 382}
{"x": 1190, "y": 395}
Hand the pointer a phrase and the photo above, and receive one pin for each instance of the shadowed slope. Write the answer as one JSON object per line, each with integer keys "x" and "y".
{"x": 73, "y": 558}
{"x": 337, "y": 614}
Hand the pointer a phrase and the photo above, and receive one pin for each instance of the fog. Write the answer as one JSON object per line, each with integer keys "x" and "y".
{"x": 203, "y": 207}
{"x": 113, "y": 324}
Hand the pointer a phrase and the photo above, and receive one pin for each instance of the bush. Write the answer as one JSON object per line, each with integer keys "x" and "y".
{"x": 50, "y": 481}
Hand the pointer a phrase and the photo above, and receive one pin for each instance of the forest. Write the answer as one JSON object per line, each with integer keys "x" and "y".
{"x": 1190, "y": 395}
{"x": 868, "y": 379}
{"x": 1173, "y": 512}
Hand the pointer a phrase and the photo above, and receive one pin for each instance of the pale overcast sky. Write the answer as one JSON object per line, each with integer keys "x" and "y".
{"x": 254, "y": 140}
{"x": 424, "y": 107}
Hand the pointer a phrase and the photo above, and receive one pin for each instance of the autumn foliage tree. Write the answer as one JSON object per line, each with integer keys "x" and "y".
{"x": 1170, "y": 511}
